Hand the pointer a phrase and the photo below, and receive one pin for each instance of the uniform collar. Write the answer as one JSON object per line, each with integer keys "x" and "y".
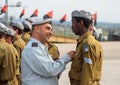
{"x": 84, "y": 36}
{"x": 25, "y": 33}
{"x": 11, "y": 44}
{"x": 18, "y": 36}
{"x": 50, "y": 45}
{"x": 2, "y": 40}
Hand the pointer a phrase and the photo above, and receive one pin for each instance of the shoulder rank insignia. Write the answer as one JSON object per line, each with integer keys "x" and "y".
{"x": 86, "y": 48}
{"x": 34, "y": 44}
{"x": 88, "y": 60}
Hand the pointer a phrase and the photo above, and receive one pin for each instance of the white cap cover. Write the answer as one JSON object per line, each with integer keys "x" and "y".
{"x": 10, "y": 32}
{"x": 3, "y": 28}
{"x": 39, "y": 21}
{"x": 82, "y": 13}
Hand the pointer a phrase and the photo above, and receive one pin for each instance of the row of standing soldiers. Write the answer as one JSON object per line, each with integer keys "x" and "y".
{"x": 13, "y": 39}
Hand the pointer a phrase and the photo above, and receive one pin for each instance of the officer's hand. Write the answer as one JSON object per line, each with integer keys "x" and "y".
{"x": 71, "y": 54}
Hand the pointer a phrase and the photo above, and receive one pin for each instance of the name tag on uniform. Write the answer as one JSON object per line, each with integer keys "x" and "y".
{"x": 88, "y": 60}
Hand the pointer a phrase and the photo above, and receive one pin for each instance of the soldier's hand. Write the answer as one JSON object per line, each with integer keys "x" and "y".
{"x": 71, "y": 54}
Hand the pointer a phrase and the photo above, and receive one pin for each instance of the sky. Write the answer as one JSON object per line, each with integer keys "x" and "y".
{"x": 107, "y": 10}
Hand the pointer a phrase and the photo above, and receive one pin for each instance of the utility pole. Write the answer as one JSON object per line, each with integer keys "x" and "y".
{"x": 6, "y": 14}
{"x": 18, "y": 4}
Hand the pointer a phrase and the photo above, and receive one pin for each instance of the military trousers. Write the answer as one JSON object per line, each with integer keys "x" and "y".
{"x": 77, "y": 82}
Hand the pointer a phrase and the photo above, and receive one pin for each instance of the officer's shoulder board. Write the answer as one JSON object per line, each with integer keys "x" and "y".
{"x": 34, "y": 44}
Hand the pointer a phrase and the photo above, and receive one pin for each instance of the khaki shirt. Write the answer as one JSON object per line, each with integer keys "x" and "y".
{"x": 7, "y": 62}
{"x": 17, "y": 57}
{"x": 53, "y": 51}
{"x": 87, "y": 64}
{"x": 19, "y": 44}
{"x": 26, "y": 37}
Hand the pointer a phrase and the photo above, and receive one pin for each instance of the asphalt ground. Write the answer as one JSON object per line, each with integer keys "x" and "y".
{"x": 111, "y": 63}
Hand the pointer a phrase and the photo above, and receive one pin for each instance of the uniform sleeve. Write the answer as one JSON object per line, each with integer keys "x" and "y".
{"x": 42, "y": 64}
{"x": 17, "y": 62}
{"x": 17, "y": 48}
{"x": 1, "y": 58}
{"x": 9, "y": 65}
{"x": 87, "y": 65}
{"x": 92, "y": 58}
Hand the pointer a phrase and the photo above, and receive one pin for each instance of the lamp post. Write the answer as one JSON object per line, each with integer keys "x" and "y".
{"x": 18, "y": 4}
{"x": 6, "y": 14}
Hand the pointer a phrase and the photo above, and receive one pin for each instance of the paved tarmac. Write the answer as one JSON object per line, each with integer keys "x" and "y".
{"x": 111, "y": 63}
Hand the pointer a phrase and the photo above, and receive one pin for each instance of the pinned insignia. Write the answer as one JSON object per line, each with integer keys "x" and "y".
{"x": 86, "y": 48}
{"x": 88, "y": 60}
{"x": 76, "y": 54}
{"x": 34, "y": 44}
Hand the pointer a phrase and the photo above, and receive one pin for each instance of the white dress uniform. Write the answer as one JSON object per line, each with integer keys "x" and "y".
{"x": 37, "y": 67}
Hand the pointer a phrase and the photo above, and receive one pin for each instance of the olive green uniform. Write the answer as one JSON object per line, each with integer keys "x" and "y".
{"x": 19, "y": 44}
{"x": 7, "y": 63}
{"x": 26, "y": 37}
{"x": 15, "y": 81}
{"x": 53, "y": 51}
{"x": 87, "y": 64}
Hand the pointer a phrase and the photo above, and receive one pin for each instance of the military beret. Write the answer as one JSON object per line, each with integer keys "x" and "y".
{"x": 17, "y": 24}
{"x": 27, "y": 25}
{"x": 29, "y": 20}
{"x": 3, "y": 28}
{"x": 10, "y": 32}
{"x": 41, "y": 21}
{"x": 82, "y": 13}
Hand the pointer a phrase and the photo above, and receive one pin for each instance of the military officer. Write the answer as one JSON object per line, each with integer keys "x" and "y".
{"x": 87, "y": 64}
{"x": 9, "y": 38}
{"x": 37, "y": 66}
{"x": 7, "y": 58}
{"x": 18, "y": 43}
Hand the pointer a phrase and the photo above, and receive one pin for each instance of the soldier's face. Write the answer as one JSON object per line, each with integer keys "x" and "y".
{"x": 75, "y": 27}
{"x": 45, "y": 32}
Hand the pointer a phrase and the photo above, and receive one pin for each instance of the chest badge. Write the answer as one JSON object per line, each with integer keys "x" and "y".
{"x": 86, "y": 48}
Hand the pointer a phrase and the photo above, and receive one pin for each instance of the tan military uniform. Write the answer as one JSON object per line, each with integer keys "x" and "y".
{"x": 53, "y": 51}
{"x": 19, "y": 44}
{"x": 7, "y": 63}
{"x": 17, "y": 58}
{"x": 87, "y": 64}
{"x": 26, "y": 37}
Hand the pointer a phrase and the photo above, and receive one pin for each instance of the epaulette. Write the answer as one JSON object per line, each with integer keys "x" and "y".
{"x": 34, "y": 44}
